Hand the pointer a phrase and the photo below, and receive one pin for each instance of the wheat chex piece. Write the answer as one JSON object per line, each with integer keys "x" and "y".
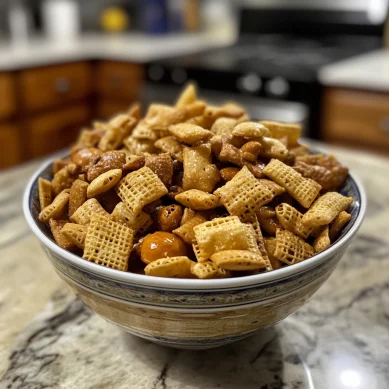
{"x": 250, "y": 130}
{"x": 108, "y": 243}
{"x": 190, "y": 133}
{"x": 173, "y": 267}
{"x": 279, "y": 130}
{"x": 238, "y": 260}
{"x": 304, "y": 190}
{"x": 275, "y": 188}
{"x": 291, "y": 249}
{"x": 322, "y": 241}
{"x": 140, "y": 188}
{"x": 61, "y": 239}
{"x": 270, "y": 245}
{"x": 291, "y": 219}
{"x": 187, "y": 96}
{"x": 273, "y": 148}
{"x": 56, "y": 208}
{"x": 75, "y": 233}
{"x": 185, "y": 231}
{"x": 197, "y": 200}
{"x": 84, "y": 213}
{"x": 244, "y": 193}
{"x": 78, "y": 195}
{"x": 104, "y": 182}
{"x": 338, "y": 223}
{"x": 139, "y": 223}
{"x": 325, "y": 209}
{"x": 45, "y": 192}
{"x": 169, "y": 144}
{"x": 225, "y": 233}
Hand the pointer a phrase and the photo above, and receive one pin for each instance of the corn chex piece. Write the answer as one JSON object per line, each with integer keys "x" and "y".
{"x": 117, "y": 129}
{"x": 173, "y": 267}
{"x": 223, "y": 126}
{"x": 279, "y": 130}
{"x": 108, "y": 243}
{"x": 291, "y": 219}
{"x": 104, "y": 182}
{"x": 78, "y": 195}
{"x": 139, "y": 223}
{"x": 250, "y": 130}
{"x": 55, "y": 209}
{"x": 170, "y": 145}
{"x": 75, "y": 233}
{"x": 325, "y": 209}
{"x": 205, "y": 270}
{"x": 304, "y": 190}
{"x": 270, "y": 245}
{"x": 291, "y": 249}
{"x": 251, "y": 238}
{"x": 45, "y": 193}
{"x": 185, "y": 231}
{"x": 238, "y": 260}
{"x": 84, "y": 213}
{"x": 273, "y": 148}
{"x": 244, "y": 193}
{"x": 338, "y": 223}
{"x": 197, "y": 200}
{"x": 225, "y": 233}
{"x": 322, "y": 241}
{"x": 61, "y": 239}
{"x": 187, "y": 96}
{"x": 190, "y": 133}
{"x": 140, "y": 188}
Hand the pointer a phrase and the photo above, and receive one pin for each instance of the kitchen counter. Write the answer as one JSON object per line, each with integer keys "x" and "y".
{"x": 369, "y": 71}
{"x": 131, "y": 47}
{"x": 338, "y": 340}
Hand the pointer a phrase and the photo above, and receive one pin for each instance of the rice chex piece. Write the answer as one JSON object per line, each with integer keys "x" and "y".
{"x": 337, "y": 224}
{"x": 75, "y": 233}
{"x": 61, "y": 239}
{"x": 322, "y": 241}
{"x": 238, "y": 260}
{"x": 205, "y": 270}
{"x": 139, "y": 223}
{"x": 84, "y": 213}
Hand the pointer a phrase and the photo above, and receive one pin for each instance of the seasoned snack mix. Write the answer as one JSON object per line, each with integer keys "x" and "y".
{"x": 194, "y": 191}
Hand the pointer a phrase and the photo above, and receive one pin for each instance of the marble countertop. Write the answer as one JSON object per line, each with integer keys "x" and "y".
{"x": 134, "y": 47}
{"x": 368, "y": 71}
{"x": 338, "y": 340}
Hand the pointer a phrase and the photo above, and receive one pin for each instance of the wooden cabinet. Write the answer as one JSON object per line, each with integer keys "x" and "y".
{"x": 7, "y": 95}
{"x": 50, "y": 86}
{"x": 11, "y": 151}
{"x": 106, "y": 108}
{"x": 358, "y": 118}
{"x": 55, "y": 130}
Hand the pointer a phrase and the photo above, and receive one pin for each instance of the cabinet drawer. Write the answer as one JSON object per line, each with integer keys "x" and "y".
{"x": 55, "y": 130}
{"x": 356, "y": 117}
{"x": 106, "y": 108}
{"x": 50, "y": 86}
{"x": 7, "y": 95}
{"x": 118, "y": 79}
{"x": 11, "y": 145}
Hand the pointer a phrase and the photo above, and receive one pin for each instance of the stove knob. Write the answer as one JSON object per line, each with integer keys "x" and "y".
{"x": 277, "y": 87}
{"x": 156, "y": 72}
{"x": 179, "y": 76}
{"x": 249, "y": 83}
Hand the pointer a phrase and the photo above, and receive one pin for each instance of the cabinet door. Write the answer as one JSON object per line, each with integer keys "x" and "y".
{"x": 119, "y": 79}
{"x": 11, "y": 145}
{"x": 55, "y": 85}
{"x": 53, "y": 131}
{"x": 356, "y": 118}
{"x": 7, "y": 95}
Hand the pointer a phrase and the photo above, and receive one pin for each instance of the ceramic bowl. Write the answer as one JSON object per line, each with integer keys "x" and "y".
{"x": 192, "y": 314}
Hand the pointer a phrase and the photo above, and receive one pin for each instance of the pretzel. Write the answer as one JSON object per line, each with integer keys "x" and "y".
{"x": 250, "y": 130}
{"x": 322, "y": 241}
{"x": 108, "y": 243}
{"x": 162, "y": 166}
{"x": 56, "y": 227}
{"x": 187, "y": 96}
{"x": 138, "y": 223}
{"x": 84, "y": 213}
{"x": 197, "y": 200}
{"x": 75, "y": 233}
{"x": 244, "y": 193}
{"x": 56, "y": 208}
{"x": 238, "y": 260}
{"x": 337, "y": 224}
{"x": 171, "y": 145}
{"x": 169, "y": 217}
{"x": 291, "y": 249}
{"x": 279, "y": 130}
{"x": 304, "y": 190}
{"x": 78, "y": 195}
{"x": 270, "y": 245}
{"x": 104, "y": 182}
{"x": 190, "y": 133}
{"x": 173, "y": 267}
{"x": 325, "y": 209}
{"x": 86, "y": 157}
{"x": 45, "y": 195}
{"x": 140, "y": 188}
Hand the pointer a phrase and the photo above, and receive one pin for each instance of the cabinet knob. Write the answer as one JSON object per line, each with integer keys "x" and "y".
{"x": 384, "y": 124}
{"x": 62, "y": 85}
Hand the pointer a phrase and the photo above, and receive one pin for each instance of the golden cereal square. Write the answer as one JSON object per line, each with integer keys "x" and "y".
{"x": 238, "y": 260}
{"x": 45, "y": 192}
{"x": 84, "y": 213}
{"x": 173, "y": 267}
{"x": 140, "y": 188}
{"x": 108, "y": 243}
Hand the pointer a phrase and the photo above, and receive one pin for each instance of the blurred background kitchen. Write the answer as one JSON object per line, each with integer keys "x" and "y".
{"x": 323, "y": 63}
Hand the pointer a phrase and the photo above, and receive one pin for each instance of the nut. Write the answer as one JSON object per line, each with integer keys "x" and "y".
{"x": 228, "y": 173}
{"x": 257, "y": 169}
{"x": 230, "y": 153}
{"x": 253, "y": 148}
{"x": 169, "y": 217}
{"x": 268, "y": 220}
{"x": 108, "y": 161}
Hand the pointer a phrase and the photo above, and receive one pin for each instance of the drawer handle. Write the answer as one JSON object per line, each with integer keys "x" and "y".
{"x": 62, "y": 85}
{"x": 384, "y": 124}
